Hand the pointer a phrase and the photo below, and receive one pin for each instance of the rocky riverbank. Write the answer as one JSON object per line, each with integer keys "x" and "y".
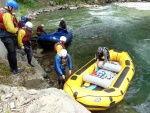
{"x": 53, "y": 7}
{"x": 51, "y": 100}
{"x": 28, "y": 92}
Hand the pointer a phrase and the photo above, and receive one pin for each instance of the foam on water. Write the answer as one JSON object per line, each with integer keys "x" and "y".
{"x": 144, "y": 107}
{"x": 137, "y": 5}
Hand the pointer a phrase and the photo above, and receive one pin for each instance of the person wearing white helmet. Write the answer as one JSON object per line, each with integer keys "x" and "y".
{"x": 24, "y": 41}
{"x": 40, "y": 30}
{"x": 61, "y": 60}
{"x": 103, "y": 55}
{"x": 8, "y": 32}
{"x": 60, "y": 45}
{"x": 62, "y": 25}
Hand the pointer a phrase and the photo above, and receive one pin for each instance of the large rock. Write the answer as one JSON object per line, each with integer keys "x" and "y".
{"x": 31, "y": 77}
{"x": 3, "y": 51}
{"x": 52, "y": 100}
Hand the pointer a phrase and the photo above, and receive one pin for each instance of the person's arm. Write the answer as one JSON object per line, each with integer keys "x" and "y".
{"x": 105, "y": 56}
{"x": 21, "y": 34}
{"x": 69, "y": 64}
{"x": 57, "y": 65}
{"x": 8, "y": 22}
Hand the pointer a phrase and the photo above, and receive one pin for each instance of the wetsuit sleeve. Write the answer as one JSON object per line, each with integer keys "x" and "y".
{"x": 8, "y": 22}
{"x": 57, "y": 65}
{"x": 69, "y": 62}
{"x": 21, "y": 34}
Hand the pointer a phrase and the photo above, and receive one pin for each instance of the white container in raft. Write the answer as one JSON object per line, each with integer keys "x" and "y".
{"x": 104, "y": 78}
{"x": 116, "y": 67}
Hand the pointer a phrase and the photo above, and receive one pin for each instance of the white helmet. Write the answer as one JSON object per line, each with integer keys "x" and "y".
{"x": 29, "y": 24}
{"x": 63, "y": 52}
{"x": 63, "y": 38}
{"x": 62, "y": 18}
{"x": 42, "y": 25}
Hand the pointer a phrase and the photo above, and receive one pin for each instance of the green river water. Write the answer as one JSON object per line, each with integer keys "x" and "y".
{"x": 124, "y": 27}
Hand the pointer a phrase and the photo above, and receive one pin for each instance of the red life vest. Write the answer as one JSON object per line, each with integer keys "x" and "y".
{"x": 64, "y": 61}
{"x": 27, "y": 36}
{"x": 58, "y": 43}
{"x": 2, "y": 26}
{"x": 39, "y": 29}
{"x": 20, "y": 24}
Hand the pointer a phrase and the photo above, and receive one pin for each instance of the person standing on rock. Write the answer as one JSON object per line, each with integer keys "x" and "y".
{"x": 24, "y": 40}
{"x": 60, "y": 45}
{"x": 61, "y": 60}
{"x": 8, "y": 33}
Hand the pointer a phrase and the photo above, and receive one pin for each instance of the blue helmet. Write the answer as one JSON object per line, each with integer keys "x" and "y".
{"x": 12, "y": 3}
{"x": 23, "y": 17}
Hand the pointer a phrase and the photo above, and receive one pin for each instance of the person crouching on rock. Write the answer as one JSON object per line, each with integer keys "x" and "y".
{"x": 24, "y": 41}
{"x": 61, "y": 60}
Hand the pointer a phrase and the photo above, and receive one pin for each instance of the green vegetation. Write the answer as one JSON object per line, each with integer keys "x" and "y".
{"x": 28, "y": 5}
{"x": 4, "y": 70}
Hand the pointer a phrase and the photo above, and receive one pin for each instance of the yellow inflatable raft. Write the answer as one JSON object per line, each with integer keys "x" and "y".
{"x": 105, "y": 94}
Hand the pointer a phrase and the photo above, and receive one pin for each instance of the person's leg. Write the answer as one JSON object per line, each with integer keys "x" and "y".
{"x": 11, "y": 48}
{"x": 60, "y": 85}
{"x": 60, "y": 80}
{"x": 108, "y": 57}
{"x": 28, "y": 51}
{"x": 63, "y": 80}
{"x": 10, "y": 44}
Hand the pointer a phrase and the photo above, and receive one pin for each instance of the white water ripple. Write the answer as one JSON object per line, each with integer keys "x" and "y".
{"x": 137, "y": 5}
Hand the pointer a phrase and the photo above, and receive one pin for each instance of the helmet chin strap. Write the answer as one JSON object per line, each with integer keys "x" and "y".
{"x": 10, "y": 8}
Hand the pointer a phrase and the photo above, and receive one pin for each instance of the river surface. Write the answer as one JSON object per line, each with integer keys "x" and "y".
{"x": 119, "y": 26}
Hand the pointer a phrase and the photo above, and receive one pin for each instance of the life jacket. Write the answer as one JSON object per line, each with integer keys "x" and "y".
{"x": 20, "y": 24}
{"x": 64, "y": 61}
{"x": 2, "y": 26}
{"x": 27, "y": 36}
{"x": 38, "y": 30}
{"x": 56, "y": 44}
